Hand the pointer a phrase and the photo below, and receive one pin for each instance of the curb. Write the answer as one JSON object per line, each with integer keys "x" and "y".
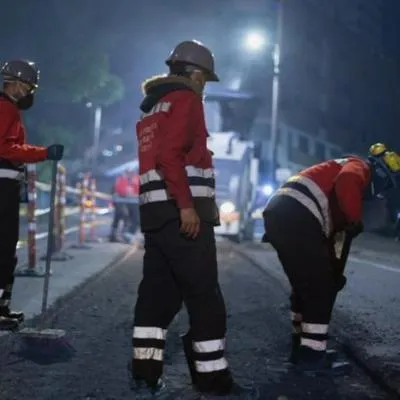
{"x": 373, "y": 369}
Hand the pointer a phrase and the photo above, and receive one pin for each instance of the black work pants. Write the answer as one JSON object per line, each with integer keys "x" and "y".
{"x": 306, "y": 256}
{"x": 175, "y": 270}
{"x": 133, "y": 210}
{"x": 120, "y": 214}
{"x": 9, "y": 232}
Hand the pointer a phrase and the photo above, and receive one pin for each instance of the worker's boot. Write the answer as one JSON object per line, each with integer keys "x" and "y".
{"x": 316, "y": 362}
{"x": 10, "y": 320}
{"x": 5, "y": 312}
{"x": 143, "y": 390}
{"x": 294, "y": 353}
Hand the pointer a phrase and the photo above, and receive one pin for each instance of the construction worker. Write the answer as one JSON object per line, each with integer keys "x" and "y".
{"x": 307, "y": 221}
{"x": 21, "y": 79}
{"x": 178, "y": 214}
{"x": 133, "y": 205}
{"x": 121, "y": 191}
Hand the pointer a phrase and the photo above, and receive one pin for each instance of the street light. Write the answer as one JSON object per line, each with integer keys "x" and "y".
{"x": 96, "y": 134}
{"x": 276, "y": 57}
{"x": 256, "y": 41}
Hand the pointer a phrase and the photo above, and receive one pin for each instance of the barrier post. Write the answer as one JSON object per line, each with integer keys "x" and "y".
{"x": 92, "y": 214}
{"x": 58, "y": 234}
{"x": 32, "y": 268}
{"x": 83, "y": 197}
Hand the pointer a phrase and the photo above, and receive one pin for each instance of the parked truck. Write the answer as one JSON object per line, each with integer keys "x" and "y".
{"x": 236, "y": 171}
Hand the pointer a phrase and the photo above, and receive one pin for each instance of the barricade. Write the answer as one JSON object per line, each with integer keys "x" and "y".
{"x": 83, "y": 213}
{"x": 32, "y": 269}
{"x": 61, "y": 212}
{"x": 58, "y": 234}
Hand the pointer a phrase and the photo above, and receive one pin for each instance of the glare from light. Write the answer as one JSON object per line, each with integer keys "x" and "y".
{"x": 89, "y": 104}
{"x": 227, "y": 207}
{"x": 267, "y": 190}
{"x": 235, "y": 84}
{"x": 255, "y": 41}
{"x": 118, "y": 147}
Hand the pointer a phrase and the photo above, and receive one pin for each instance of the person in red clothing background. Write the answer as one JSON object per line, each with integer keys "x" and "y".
{"x": 133, "y": 205}
{"x": 121, "y": 191}
{"x": 303, "y": 221}
{"x": 21, "y": 80}
{"x": 178, "y": 213}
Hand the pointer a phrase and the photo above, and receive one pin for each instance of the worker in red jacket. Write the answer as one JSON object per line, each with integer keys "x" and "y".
{"x": 121, "y": 191}
{"x": 303, "y": 221}
{"x": 133, "y": 204}
{"x": 178, "y": 214}
{"x": 21, "y": 80}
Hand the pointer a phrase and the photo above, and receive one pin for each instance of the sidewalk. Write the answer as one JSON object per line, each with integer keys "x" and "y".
{"x": 66, "y": 275}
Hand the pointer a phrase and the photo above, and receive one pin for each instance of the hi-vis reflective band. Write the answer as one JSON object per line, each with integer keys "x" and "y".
{"x": 320, "y": 210}
{"x": 201, "y": 183}
{"x": 209, "y": 346}
{"x": 163, "y": 106}
{"x": 11, "y": 174}
{"x": 148, "y": 353}
{"x": 211, "y": 366}
{"x": 144, "y": 332}
{"x": 314, "y": 330}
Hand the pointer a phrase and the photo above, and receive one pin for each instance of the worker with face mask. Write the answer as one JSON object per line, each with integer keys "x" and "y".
{"x": 21, "y": 79}
{"x": 178, "y": 214}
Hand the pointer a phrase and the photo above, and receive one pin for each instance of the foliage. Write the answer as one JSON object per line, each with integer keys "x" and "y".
{"x": 71, "y": 45}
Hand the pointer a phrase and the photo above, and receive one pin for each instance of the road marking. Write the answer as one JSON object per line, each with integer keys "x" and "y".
{"x": 374, "y": 264}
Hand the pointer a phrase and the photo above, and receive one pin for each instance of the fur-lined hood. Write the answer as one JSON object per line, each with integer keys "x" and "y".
{"x": 159, "y": 86}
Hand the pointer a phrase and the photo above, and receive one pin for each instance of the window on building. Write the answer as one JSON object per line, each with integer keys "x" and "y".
{"x": 320, "y": 151}
{"x": 304, "y": 144}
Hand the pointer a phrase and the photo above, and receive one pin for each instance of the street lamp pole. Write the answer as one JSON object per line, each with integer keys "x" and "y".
{"x": 275, "y": 92}
{"x": 96, "y": 138}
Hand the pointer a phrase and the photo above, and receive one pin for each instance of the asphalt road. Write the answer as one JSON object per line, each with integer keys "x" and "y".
{"x": 98, "y": 319}
{"x": 366, "y": 317}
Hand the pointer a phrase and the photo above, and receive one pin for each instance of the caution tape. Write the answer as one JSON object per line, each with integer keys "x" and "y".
{"x": 39, "y": 236}
{"x": 68, "y": 211}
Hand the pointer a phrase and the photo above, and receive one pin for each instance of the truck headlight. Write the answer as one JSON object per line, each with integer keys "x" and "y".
{"x": 227, "y": 207}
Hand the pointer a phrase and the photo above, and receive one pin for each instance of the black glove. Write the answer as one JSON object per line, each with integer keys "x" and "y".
{"x": 354, "y": 229}
{"x": 55, "y": 152}
{"x": 340, "y": 282}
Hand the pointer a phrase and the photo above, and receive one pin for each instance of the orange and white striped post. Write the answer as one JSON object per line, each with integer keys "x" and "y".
{"x": 58, "y": 235}
{"x": 32, "y": 267}
{"x": 93, "y": 210}
{"x": 84, "y": 192}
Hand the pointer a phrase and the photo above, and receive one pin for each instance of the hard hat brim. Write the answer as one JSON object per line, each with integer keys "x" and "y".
{"x": 213, "y": 77}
